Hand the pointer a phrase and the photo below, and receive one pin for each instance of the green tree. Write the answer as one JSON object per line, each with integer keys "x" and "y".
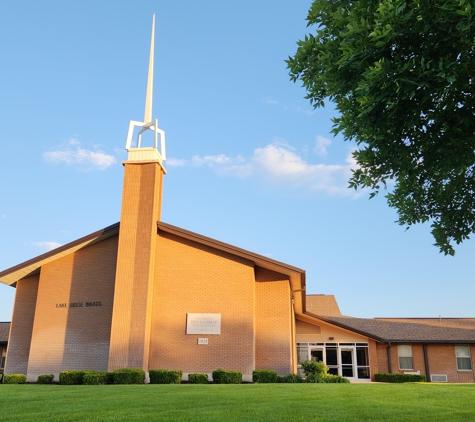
{"x": 401, "y": 74}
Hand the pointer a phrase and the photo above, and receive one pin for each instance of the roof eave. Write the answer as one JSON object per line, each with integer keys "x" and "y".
{"x": 11, "y": 275}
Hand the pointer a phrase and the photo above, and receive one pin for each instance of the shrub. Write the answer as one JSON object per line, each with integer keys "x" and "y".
{"x": 14, "y": 379}
{"x": 162, "y": 376}
{"x": 96, "y": 378}
{"x": 314, "y": 367}
{"x": 220, "y": 376}
{"x": 71, "y": 377}
{"x": 315, "y": 378}
{"x": 264, "y": 376}
{"x": 129, "y": 376}
{"x": 198, "y": 378}
{"x": 45, "y": 379}
{"x": 291, "y": 379}
{"x": 383, "y": 377}
{"x": 335, "y": 379}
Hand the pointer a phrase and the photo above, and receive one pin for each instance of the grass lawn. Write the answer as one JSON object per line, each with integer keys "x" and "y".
{"x": 256, "y": 402}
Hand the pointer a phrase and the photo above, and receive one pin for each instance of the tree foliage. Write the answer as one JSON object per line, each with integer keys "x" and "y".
{"x": 401, "y": 76}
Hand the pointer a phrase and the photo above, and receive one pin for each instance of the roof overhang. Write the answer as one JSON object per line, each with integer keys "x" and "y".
{"x": 32, "y": 266}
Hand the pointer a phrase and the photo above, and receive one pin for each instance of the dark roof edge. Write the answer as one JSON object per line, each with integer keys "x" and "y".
{"x": 60, "y": 249}
{"x": 221, "y": 245}
{"x": 424, "y": 318}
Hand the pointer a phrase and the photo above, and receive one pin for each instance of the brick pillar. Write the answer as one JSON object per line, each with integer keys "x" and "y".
{"x": 18, "y": 352}
{"x": 131, "y": 316}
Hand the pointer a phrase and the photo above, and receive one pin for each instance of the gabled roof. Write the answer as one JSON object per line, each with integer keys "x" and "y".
{"x": 296, "y": 275}
{"x": 32, "y": 266}
{"x": 4, "y": 332}
{"x": 409, "y": 330}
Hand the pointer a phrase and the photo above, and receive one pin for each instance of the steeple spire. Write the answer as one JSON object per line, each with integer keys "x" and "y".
{"x": 149, "y": 95}
{"x": 139, "y": 153}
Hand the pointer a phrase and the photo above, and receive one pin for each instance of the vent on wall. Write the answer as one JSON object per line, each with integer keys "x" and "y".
{"x": 438, "y": 378}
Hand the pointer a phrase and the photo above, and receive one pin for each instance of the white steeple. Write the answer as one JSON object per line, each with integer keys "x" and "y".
{"x": 139, "y": 153}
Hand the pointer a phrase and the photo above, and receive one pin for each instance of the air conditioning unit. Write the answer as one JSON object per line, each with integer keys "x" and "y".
{"x": 438, "y": 378}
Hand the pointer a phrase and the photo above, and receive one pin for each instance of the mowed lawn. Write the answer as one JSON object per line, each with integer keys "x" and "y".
{"x": 256, "y": 402}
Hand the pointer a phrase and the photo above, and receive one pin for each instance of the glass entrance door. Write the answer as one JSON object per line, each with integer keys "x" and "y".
{"x": 348, "y": 362}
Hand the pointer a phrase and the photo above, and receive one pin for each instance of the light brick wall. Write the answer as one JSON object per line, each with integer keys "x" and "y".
{"x": 131, "y": 320}
{"x": 74, "y": 337}
{"x": 273, "y": 322}
{"x": 22, "y": 325}
{"x": 192, "y": 278}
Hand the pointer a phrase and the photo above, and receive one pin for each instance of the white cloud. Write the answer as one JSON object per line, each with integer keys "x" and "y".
{"x": 278, "y": 163}
{"x": 271, "y": 101}
{"x": 321, "y": 144}
{"x": 71, "y": 153}
{"x": 211, "y": 160}
{"x": 175, "y": 162}
{"x": 300, "y": 109}
{"x": 47, "y": 245}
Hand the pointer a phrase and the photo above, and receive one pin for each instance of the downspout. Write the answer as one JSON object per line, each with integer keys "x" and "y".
{"x": 426, "y": 361}
{"x": 294, "y": 342}
{"x": 390, "y": 370}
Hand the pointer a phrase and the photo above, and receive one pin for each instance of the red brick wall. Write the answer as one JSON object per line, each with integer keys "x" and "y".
{"x": 192, "y": 278}
{"x": 442, "y": 360}
{"x": 273, "y": 322}
{"x": 74, "y": 337}
{"x": 22, "y": 325}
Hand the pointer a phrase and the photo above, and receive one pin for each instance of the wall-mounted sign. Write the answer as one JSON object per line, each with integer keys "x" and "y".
{"x": 203, "y": 323}
{"x": 79, "y": 304}
{"x": 202, "y": 341}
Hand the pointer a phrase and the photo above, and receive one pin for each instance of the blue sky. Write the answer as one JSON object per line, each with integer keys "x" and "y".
{"x": 249, "y": 161}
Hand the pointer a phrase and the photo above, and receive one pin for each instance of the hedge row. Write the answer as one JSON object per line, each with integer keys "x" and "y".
{"x": 264, "y": 376}
{"x": 162, "y": 376}
{"x": 314, "y": 373}
{"x": 14, "y": 379}
{"x": 120, "y": 376}
{"x": 383, "y": 377}
{"x": 220, "y": 376}
{"x": 198, "y": 378}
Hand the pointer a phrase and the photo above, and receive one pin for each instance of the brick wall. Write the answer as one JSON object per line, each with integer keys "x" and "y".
{"x": 442, "y": 360}
{"x": 373, "y": 357}
{"x": 141, "y": 207}
{"x": 68, "y": 337}
{"x": 22, "y": 325}
{"x": 192, "y": 278}
{"x": 273, "y": 322}
{"x": 382, "y": 358}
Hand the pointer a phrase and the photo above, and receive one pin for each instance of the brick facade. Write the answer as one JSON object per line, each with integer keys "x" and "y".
{"x": 274, "y": 315}
{"x": 119, "y": 299}
{"x": 22, "y": 325}
{"x": 192, "y": 278}
{"x": 72, "y": 320}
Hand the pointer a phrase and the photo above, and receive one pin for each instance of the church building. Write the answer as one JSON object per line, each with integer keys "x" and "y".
{"x": 142, "y": 293}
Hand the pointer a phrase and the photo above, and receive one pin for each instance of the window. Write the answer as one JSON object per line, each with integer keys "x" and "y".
{"x": 405, "y": 357}
{"x": 3, "y": 355}
{"x": 463, "y": 358}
